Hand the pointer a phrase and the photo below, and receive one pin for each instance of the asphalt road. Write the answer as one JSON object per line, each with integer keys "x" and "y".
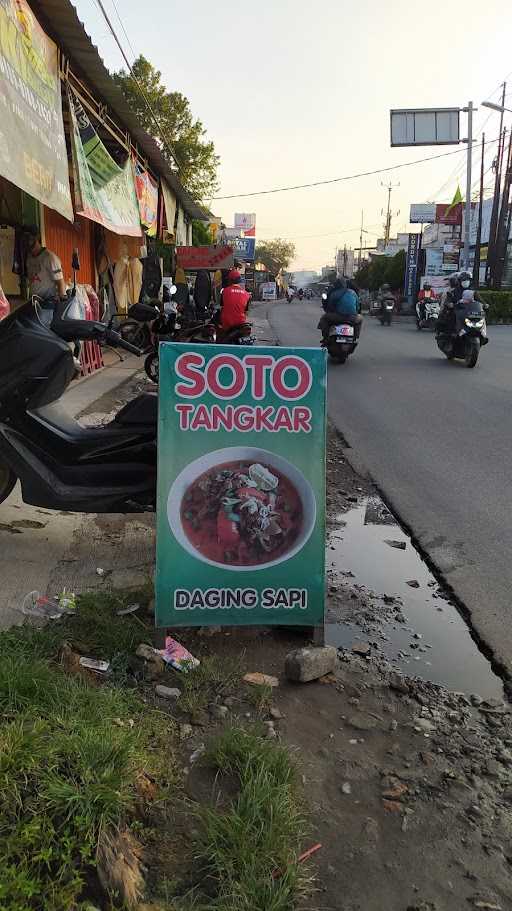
{"x": 437, "y": 438}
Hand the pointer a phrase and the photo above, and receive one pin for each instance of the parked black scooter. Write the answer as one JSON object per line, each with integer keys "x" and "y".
{"x": 60, "y": 464}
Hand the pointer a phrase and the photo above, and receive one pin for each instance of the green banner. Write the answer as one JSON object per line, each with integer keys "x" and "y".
{"x": 241, "y": 486}
{"x": 104, "y": 192}
{"x": 32, "y": 145}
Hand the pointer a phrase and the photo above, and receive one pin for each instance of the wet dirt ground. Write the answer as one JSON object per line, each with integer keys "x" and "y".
{"x": 381, "y": 592}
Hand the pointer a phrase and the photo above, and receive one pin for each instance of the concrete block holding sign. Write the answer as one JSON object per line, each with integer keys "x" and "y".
{"x": 241, "y": 486}
{"x": 306, "y": 664}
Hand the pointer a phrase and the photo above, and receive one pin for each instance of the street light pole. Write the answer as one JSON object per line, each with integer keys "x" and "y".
{"x": 467, "y": 220}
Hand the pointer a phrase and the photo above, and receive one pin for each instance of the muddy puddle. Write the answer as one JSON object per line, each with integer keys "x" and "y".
{"x": 382, "y": 594}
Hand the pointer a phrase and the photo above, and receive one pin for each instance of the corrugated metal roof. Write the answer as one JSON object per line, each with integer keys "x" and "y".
{"x": 60, "y": 19}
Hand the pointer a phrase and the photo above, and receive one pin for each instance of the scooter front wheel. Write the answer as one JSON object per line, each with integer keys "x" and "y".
{"x": 7, "y": 481}
{"x": 152, "y": 366}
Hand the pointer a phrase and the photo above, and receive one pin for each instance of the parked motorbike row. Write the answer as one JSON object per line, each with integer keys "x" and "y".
{"x": 147, "y": 326}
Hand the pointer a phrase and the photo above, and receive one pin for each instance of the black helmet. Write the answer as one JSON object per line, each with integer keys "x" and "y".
{"x": 427, "y": 286}
{"x": 341, "y": 283}
{"x": 454, "y": 280}
{"x": 465, "y": 278}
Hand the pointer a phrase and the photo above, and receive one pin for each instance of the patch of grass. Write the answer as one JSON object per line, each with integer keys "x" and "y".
{"x": 212, "y": 680}
{"x": 70, "y": 758}
{"x": 251, "y": 849}
{"x": 261, "y": 697}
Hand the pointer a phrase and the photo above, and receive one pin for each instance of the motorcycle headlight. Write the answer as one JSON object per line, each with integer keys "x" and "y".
{"x": 475, "y": 324}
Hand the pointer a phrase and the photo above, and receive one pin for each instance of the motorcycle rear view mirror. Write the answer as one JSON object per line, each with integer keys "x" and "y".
{"x": 75, "y": 261}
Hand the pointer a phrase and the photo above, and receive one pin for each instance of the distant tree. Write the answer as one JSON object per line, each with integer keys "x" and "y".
{"x": 395, "y": 272}
{"x": 196, "y": 158}
{"x": 201, "y": 235}
{"x": 275, "y": 254}
{"x": 382, "y": 269}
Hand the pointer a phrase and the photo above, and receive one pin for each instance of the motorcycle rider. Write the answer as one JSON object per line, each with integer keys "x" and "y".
{"x": 234, "y": 302}
{"x": 385, "y": 296}
{"x": 425, "y": 294}
{"x": 342, "y": 301}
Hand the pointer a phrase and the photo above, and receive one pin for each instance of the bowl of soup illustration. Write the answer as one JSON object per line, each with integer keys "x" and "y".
{"x": 241, "y": 509}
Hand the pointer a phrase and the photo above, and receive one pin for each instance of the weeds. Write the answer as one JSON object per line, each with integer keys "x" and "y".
{"x": 261, "y": 697}
{"x": 251, "y": 850}
{"x": 214, "y": 678}
{"x": 70, "y": 757}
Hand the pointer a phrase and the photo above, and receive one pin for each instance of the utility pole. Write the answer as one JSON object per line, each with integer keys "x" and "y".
{"x": 467, "y": 218}
{"x": 387, "y": 226}
{"x": 360, "y": 240}
{"x": 476, "y": 264}
{"x": 501, "y": 236}
{"x": 489, "y": 269}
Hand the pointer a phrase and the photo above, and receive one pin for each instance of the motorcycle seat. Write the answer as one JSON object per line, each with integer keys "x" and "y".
{"x": 140, "y": 412}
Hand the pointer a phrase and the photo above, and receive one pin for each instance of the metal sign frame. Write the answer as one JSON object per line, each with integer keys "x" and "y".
{"x": 424, "y": 126}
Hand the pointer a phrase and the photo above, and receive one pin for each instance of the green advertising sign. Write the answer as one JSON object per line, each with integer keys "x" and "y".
{"x": 241, "y": 486}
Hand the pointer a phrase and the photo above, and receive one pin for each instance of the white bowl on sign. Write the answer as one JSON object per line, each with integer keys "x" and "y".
{"x": 241, "y": 454}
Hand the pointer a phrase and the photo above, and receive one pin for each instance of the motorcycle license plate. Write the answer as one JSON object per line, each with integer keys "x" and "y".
{"x": 344, "y": 330}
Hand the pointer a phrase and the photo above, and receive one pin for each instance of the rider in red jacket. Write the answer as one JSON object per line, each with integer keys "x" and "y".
{"x": 234, "y": 302}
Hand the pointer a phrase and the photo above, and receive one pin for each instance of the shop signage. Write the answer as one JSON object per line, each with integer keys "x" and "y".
{"x": 104, "y": 192}
{"x": 32, "y": 144}
{"x": 147, "y": 196}
{"x": 246, "y": 221}
{"x": 241, "y": 486}
{"x": 451, "y": 254}
{"x": 210, "y": 258}
{"x": 243, "y": 248}
{"x": 411, "y": 266}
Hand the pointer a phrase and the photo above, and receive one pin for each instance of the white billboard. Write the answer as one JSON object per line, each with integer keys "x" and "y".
{"x": 422, "y": 213}
{"x": 425, "y": 126}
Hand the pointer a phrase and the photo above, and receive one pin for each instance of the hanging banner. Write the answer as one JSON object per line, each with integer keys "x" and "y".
{"x": 241, "y": 486}
{"x": 411, "y": 267}
{"x": 104, "y": 192}
{"x": 210, "y": 258}
{"x": 32, "y": 144}
{"x": 147, "y": 195}
{"x": 170, "y": 207}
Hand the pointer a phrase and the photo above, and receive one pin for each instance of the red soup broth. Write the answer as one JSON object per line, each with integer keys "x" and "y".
{"x": 199, "y": 512}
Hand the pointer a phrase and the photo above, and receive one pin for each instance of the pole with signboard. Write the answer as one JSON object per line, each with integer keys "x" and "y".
{"x": 241, "y": 486}
{"x": 436, "y": 126}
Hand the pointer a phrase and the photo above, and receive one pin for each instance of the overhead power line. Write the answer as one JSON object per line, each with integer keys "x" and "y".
{"x": 156, "y": 122}
{"x": 321, "y": 183}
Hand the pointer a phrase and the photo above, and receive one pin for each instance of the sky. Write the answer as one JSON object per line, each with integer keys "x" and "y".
{"x": 293, "y": 93}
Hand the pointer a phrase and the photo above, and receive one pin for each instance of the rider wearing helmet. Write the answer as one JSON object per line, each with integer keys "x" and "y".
{"x": 425, "y": 294}
{"x": 385, "y": 295}
{"x": 342, "y": 301}
{"x": 234, "y": 302}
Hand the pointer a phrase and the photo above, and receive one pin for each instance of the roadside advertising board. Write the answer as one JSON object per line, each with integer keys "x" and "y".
{"x": 211, "y": 258}
{"x": 268, "y": 291}
{"x": 241, "y": 486}
{"x": 433, "y": 261}
{"x": 422, "y": 213}
{"x": 246, "y": 222}
{"x": 243, "y": 248}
